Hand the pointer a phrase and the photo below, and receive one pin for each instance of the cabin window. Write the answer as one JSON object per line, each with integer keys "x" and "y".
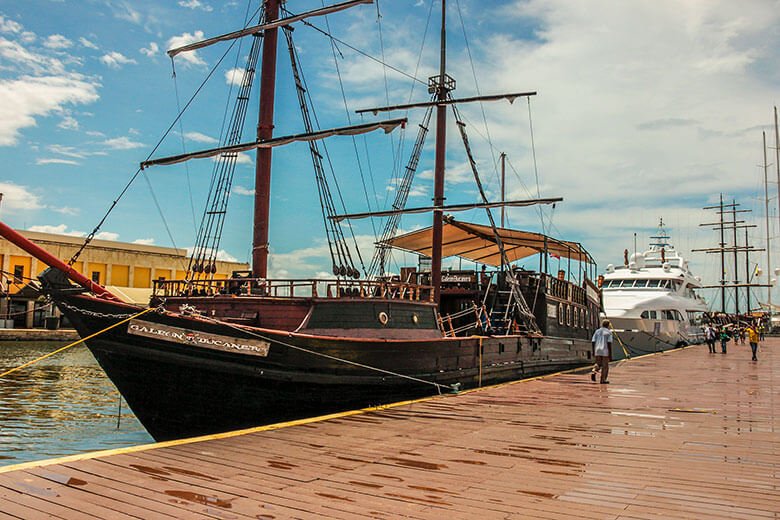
{"x": 96, "y": 276}
{"x": 672, "y": 314}
{"x": 645, "y": 315}
{"x": 653, "y": 283}
{"x": 649, "y": 315}
{"x": 568, "y": 315}
{"x": 561, "y": 314}
{"x": 18, "y": 273}
{"x": 576, "y": 317}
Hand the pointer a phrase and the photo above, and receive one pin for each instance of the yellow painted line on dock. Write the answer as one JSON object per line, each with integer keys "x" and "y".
{"x": 288, "y": 424}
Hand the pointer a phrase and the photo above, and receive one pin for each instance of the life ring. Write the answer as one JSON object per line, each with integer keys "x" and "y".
{"x": 383, "y": 318}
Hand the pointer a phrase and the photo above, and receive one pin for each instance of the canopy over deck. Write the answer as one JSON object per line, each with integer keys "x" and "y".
{"x": 478, "y": 243}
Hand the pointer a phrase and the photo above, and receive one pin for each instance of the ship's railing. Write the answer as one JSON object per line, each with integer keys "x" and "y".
{"x": 393, "y": 290}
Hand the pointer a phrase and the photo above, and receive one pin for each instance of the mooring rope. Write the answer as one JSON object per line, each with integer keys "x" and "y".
{"x": 438, "y": 386}
{"x": 82, "y": 340}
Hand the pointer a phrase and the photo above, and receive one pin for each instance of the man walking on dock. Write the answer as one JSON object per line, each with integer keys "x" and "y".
{"x": 602, "y": 346}
{"x": 709, "y": 337}
{"x": 753, "y": 339}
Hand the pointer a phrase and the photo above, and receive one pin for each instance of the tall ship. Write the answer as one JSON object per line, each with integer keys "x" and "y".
{"x": 210, "y": 355}
{"x": 651, "y": 300}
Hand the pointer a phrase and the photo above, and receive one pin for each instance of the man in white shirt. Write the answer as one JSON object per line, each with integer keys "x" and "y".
{"x": 602, "y": 347}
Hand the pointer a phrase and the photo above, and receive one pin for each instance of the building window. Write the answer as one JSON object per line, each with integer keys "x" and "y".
{"x": 18, "y": 273}
{"x": 96, "y": 276}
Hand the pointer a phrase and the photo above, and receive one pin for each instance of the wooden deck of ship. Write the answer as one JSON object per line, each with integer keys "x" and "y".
{"x": 684, "y": 434}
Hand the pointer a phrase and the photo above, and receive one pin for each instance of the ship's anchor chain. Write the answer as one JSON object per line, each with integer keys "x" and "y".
{"x": 159, "y": 309}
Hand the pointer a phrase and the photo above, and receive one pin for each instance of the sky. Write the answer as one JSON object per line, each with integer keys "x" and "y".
{"x": 644, "y": 110}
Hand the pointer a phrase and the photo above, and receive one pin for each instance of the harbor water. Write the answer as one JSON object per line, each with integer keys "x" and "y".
{"x": 62, "y": 405}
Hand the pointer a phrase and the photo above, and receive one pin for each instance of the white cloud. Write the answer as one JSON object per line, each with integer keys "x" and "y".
{"x": 240, "y": 190}
{"x": 86, "y": 43}
{"x": 59, "y": 229}
{"x": 107, "y": 235}
{"x": 221, "y": 254}
{"x": 37, "y": 63}
{"x": 16, "y": 197}
{"x": 144, "y": 241}
{"x": 116, "y": 60}
{"x": 57, "y": 42}
{"x": 123, "y": 11}
{"x": 195, "y": 4}
{"x": 9, "y": 26}
{"x": 26, "y": 98}
{"x": 56, "y": 161}
{"x": 241, "y": 158}
{"x": 151, "y": 50}
{"x": 200, "y": 138}
{"x": 69, "y": 123}
{"x": 122, "y": 143}
{"x": 235, "y": 77}
{"x": 66, "y": 210}
{"x": 183, "y": 39}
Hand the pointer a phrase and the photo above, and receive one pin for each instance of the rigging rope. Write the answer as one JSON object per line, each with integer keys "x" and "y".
{"x": 184, "y": 150}
{"x": 343, "y": 264}
{"x": 92, "y": 234}
{"x": 349, "y": 119}
{"x": 452, "y": 388}
{"x": 476, "y": 84}
{"x": 82, "y": 340}
{"x": 342, "y": 42}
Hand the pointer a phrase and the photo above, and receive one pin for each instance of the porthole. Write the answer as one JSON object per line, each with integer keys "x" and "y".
{"x": 415, "y": 319}
{"x": 383, "y": 318}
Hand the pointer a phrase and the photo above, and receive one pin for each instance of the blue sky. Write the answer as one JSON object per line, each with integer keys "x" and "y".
{"x": 645, "y": 110}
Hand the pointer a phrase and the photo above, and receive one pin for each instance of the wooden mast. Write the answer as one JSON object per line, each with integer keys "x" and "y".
{"x": 265, "y": 128}
{"x": 440, "y": 84}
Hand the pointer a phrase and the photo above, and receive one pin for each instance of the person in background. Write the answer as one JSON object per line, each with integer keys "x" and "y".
{"x": 602, "y": 347}
{"x": 753, "y": 339}
{"x": 761, "y": 331}
{"x": 741, "y": 336}
{"x": 724, "y": 339}
{"x": 710, "y": 337}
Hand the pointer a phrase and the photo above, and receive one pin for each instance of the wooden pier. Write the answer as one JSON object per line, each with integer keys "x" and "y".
{"x": 679, "y": 435}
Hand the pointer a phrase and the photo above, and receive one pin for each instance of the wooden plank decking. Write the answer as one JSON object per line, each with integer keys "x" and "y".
{"x": 684, "y": 434}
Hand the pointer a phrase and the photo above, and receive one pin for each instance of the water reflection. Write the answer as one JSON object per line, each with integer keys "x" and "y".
{"x": 60, "y": 406}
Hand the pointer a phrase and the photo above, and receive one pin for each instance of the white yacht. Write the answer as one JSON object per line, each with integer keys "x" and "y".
{"x": 651, "y": 300}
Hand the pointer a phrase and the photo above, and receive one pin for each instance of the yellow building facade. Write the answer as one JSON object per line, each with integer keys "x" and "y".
{"x": 127, "y": 269}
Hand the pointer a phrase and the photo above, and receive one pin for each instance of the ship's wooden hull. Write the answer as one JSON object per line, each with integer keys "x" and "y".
{"x": 185, "y": 376}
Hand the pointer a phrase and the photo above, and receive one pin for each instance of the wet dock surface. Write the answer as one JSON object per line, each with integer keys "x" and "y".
{"x": 684, "y": 434}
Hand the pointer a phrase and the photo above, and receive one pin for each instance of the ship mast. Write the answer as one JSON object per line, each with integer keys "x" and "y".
{"x": 768, "y": 247}
{"x": 265, "y": 128}
{"x": 442, "y": 87}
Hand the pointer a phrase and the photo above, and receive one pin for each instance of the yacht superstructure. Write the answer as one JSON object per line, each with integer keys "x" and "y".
{"x": 651, "y": 300}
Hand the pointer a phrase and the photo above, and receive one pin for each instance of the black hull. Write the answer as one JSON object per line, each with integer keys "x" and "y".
{"x": 183, "y": 390}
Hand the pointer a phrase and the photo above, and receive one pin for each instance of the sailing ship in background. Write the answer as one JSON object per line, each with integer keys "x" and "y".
{"x": 651, "y": 300}
{"x": 216, "y": 354}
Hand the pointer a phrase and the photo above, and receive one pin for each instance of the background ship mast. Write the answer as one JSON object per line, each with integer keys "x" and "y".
{"x": 721, "y": 226}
